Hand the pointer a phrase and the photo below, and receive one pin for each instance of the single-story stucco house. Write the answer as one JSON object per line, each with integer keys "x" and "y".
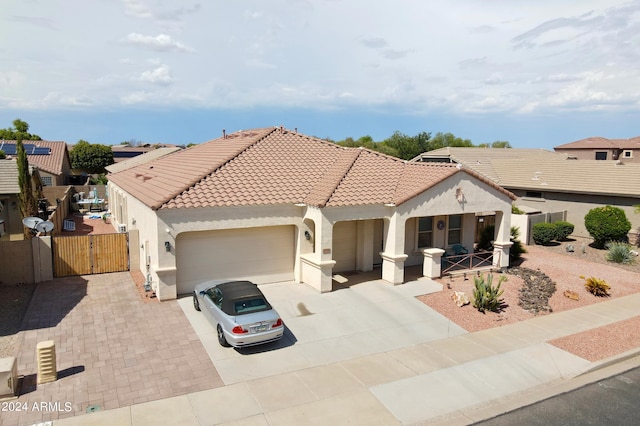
{"x": 546, "y": 181}
{"x": 273, "y": 205}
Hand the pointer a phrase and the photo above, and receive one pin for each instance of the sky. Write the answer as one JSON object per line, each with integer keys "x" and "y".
{"x": 536, "y": 73}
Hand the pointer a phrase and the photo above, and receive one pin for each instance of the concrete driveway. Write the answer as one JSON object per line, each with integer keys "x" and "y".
{"x": 372, "y": 317}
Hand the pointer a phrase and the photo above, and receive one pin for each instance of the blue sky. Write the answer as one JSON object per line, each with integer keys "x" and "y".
{"x": 537, "y": 73}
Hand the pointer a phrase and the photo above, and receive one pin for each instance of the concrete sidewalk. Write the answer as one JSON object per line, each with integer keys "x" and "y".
{"x": 455, "y": 380}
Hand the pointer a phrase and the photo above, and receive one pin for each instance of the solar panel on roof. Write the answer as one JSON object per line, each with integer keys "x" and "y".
{"x": 29, "y": 148}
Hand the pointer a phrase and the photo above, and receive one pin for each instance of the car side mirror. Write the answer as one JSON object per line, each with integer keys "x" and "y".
{"x": 202, "y": 293}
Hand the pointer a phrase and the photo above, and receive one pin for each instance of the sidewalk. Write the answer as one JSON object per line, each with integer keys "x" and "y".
{"x": 457, "y": 380}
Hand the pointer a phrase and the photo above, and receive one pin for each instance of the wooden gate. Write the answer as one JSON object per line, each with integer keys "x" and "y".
{"x": 90, "y": 254}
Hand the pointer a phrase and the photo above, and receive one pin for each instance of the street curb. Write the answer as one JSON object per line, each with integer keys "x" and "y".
{"x": 604, "y": 369}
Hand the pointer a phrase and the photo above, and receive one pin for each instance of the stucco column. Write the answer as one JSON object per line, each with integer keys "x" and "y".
{"x": 431, "y": 266}
{"x": 393, "y": 257}
{"x": 316, "y": 269}
{"x": 502, "y": 244}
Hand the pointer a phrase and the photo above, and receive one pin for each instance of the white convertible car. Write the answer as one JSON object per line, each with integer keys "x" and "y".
{"x": 239, "y": 311}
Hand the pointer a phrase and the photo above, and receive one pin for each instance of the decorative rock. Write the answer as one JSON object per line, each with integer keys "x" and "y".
{"x": 571, "y": 295}
{"x": 537, "y": 289}
{"x": 460, "y": 298}
{"x": 570, "y": 248}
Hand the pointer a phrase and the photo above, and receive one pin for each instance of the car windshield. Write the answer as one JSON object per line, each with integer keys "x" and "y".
{"x": 246, "y": 306}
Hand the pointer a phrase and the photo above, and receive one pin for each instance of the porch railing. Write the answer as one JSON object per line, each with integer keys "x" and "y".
{"x": 460, "y": 262}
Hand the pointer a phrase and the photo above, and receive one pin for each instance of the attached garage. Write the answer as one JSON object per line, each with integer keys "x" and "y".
{"x": 261, "y": 255}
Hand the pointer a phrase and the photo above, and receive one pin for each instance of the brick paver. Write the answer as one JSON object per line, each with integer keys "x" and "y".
{"x": 112, "y": 349}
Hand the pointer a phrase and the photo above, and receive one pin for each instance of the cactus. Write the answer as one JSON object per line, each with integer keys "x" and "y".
{"x": 487, "y": 296}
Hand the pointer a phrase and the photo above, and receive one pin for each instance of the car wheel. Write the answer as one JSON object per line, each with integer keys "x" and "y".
{"x": 196, "y": 304}
{"x": 221, "y": 339}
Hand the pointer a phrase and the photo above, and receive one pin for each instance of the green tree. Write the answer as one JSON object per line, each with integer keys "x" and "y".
{"x": 19, "y": 130}
{"x": 2, "y": 155}
{"x": 92, "y": 158}
{"x": 500, "y": 144}
{"x": 28, "y": 202}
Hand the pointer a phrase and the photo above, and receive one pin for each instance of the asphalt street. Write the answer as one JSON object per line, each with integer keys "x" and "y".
{"x": 612, "y": 401}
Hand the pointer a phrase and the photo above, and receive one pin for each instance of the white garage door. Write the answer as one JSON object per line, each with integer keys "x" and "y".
{"x": 261, "y": 255}
{"x": 345, "y": 246}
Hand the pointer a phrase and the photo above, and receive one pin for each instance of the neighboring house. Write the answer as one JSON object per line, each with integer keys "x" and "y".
{"x": 125, "y": 152}
{"x": 140, "y": 159}
{"x": 545, "y": 181}
{"x": 272, "y": 205}
{"x": 10, "y": 217}
{"x": 597, "y": 148}
{"x": 50, "y": 157}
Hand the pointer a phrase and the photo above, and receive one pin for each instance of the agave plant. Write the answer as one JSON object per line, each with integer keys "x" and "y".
{"x": 619, "y": 252}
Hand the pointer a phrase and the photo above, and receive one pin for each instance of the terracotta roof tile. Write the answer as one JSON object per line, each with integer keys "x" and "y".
{"x": 602, "y": 143}
{"x": 277, "y": 166}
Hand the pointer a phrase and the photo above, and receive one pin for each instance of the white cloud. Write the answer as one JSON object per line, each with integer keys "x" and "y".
{"x": 160, "y": 75}
{"x": 161, "y": 42}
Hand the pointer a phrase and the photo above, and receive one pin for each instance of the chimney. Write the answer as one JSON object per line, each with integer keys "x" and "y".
{"x": 224, "y": 134}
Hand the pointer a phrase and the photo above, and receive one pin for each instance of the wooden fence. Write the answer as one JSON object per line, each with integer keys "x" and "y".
{"x": 90, "y": 254}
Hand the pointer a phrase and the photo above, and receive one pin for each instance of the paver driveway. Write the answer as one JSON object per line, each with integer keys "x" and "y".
{"x": 112, "y": 349}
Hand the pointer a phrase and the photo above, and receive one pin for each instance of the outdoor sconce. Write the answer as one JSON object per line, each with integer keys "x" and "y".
{"x": 133, "y": 220}
{"x": 307, "y": 235}
{"x": 167, "y": 246}
{"x": 459, "y": 195}
{"x": 14, "y": 205}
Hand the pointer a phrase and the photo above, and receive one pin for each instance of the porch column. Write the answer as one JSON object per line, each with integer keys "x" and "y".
{"x": 502, "y": 243}
{"x": 317, "y": 268}
{"x": 393, "y": 257}
{"x": 431, "y": 266}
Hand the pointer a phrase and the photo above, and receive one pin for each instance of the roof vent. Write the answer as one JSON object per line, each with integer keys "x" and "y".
{"x": 224, "y": 134}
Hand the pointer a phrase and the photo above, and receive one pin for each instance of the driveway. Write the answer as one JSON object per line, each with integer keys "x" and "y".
{"x": 113, "y": 349}
{"x": 368, "y": 318}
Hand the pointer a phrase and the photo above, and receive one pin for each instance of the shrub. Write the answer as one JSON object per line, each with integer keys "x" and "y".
{"x": 544, "y": 233}
{"x": 486, "y": 236}
{"x": 516, "y": 210}
{"x": 619, "y": 252}
{"x": 563, "y": 230}
{"x": 486, "y": 296}
{"x": 517, "y": 248}
{"x": 597, "y": 287}
{"x": 607, "y": 224}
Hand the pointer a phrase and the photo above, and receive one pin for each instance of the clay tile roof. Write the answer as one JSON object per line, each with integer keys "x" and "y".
{"x": 602, "y": 143}
{"x": 52, "y": 163}
{"x": 277, "y": 166}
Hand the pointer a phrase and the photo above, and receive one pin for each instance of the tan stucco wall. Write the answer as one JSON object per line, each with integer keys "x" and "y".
{"x": 578, "y": 205}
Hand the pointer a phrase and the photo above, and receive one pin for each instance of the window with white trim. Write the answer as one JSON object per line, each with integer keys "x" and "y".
{"x": 627, "y": 153}
{"x": 454, "y": 229}
{"x": 425, "y": 232}
{"x": 46, "y": 180}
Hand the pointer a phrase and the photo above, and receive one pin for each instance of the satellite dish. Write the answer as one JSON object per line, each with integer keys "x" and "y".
{"x": 31, "y": 222}
{"x": 44, "y": 226}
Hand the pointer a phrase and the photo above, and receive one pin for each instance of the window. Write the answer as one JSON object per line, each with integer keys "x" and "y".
{"x": 454, "y": 230}
{"x": 533, "y": 194}
{"x": 246, "y": 306}
{"x": 425, "y": 232}
{"x": 601, "y": 155}
{"x": 627, "y": 153}
{"x": 46, "y": 180}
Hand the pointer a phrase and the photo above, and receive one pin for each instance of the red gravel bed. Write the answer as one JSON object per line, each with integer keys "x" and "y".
{"x": 565, "y": 269}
